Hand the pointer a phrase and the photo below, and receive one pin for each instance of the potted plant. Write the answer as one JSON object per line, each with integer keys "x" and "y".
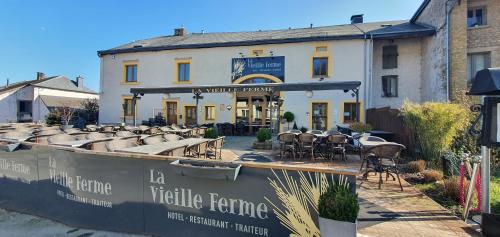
{"x": 338, "y": 209}
{"x": 289, "y": 117}
{"x": 211, "y": 133}
{"x": 263, "y": 139}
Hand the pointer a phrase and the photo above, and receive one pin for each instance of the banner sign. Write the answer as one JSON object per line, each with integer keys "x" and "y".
{"x": 153, "y": 197}
{"x": 274, "y": 66}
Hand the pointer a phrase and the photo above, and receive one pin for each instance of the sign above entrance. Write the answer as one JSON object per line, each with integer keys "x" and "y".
{"x": 273, "y": 66}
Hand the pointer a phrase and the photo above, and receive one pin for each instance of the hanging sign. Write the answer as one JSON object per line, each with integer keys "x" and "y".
{"x": 274, "y": 66}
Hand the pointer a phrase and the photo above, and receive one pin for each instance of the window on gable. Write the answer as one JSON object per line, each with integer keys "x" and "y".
{"x": 476, "y": 17}
{"x": 320, "y": 66}
{"x": 390, "y": 86}
{"x": 131, "y": 73}
{"x": 390, "y": 56}
{"x": 183, "y": 72}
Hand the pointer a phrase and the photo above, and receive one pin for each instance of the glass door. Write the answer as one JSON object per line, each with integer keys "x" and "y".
{"x": 319, "y": 116}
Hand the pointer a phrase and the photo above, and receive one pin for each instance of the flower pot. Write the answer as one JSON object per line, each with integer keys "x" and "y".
{"x": 333, "y": 228}
{"x": 64, "y": 127}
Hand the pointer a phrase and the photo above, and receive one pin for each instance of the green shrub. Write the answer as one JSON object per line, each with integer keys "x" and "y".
{"x": 361, "y": 127}
{"x": 415, "y": 166}
{"x": 263, "y": 135}
{"x": 289, "y": 117}
{"x": 339, "y": 203}
{"x": 303, "y": 129}
{"x": 431, "y": 176}
{"x": 211, "y": 133}
{"x": 53, "y": 118}
{"x": 434, "y": 126}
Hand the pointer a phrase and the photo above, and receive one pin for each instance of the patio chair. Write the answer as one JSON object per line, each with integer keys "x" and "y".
{"x": 175, "y": 127}
{"x": 153, "y": 130}
{"x": 316, "y": 132}
{"x": 117, "y": 144}
{"x": 214, "y": 147}
{"x": 166, "y": 129}
{"x": 385, "y": 158}
{"x": 91, "y": 128}
{"x": 240, "y": 129}
{"x": 60, "y": 138}
{"x": 96, "y": 136}
{"x": 336, "y": 145}
{"x": 153, "y": 139}
{"x": 178, "y": 152}
{"x": 288, "y": 144}
{"x": 171, "y": 137}
{"x": 362, "y": 150}
{"x": 307, "y": 143}
{"x": 143, "y": 128}
{"x": 125, "y": 134}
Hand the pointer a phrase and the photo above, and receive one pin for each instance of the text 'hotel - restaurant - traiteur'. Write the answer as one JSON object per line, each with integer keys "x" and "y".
{"x": 393, "y": 61}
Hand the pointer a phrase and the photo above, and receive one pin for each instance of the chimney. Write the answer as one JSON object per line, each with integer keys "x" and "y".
{"x": 355, "y": 19}
{"x": 79, "y": 81}
{"x": 40, "y": 76}
{"x": 179, "y": 32}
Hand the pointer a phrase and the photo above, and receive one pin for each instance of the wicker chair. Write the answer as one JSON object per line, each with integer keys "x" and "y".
{"x": 197, "y": 150}
{"x": 307, "y": 144}
{"x": 166, "y": 129}
{"x": 384, "y": 158}
{"x": 336, "y": 145}
{"x": 171, "y": 137}
{"x": 60, "y": 138}
{"x": 108, "y": 128}
{"x": 117, "y": 144}
{"x": 362, "y": 151}
{"x": 96, "y": 136}
{"x": 201, "y": 132}
{"x": 153, "y": 139}
{"x": 288, "y": 144}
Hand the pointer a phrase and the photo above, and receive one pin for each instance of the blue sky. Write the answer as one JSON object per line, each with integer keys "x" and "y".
{"x": 61, "y": 37}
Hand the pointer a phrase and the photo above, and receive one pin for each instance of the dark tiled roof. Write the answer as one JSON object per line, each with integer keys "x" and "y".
{"x": 393, "y": 29}
{"x": 59, "y": 101}
{"x": 55, "y": 82}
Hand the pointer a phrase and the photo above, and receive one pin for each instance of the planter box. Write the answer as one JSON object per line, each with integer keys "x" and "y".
{"x": 333, "y": 228}
{"x": 207, "y": 169}
{"x": 267, "y": 145}
{"x": 490, "y": 224}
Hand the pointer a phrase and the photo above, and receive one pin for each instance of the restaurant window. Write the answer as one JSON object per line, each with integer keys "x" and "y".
{"x": 209, "y": 112}
{"x": 320, "y": 66}
{"x": 350, "y": 112}
{"x": 476, "y": 17}
{"x": 390, "y": 57}
{"x": 320, "y": 116}
{"x": 127, "y": 107}
{"x": 183, "y": 72}
{"x": 390, "y": 86}
{"x": 130, "y": 73}
{"x": 477, "y": 62}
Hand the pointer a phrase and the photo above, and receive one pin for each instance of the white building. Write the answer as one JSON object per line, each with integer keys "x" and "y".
{"x": 29, "y": 101}
{"x": 384, "y": 56}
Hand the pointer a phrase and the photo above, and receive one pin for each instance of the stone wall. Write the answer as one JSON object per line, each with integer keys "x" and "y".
{"x": 458, "y": 54}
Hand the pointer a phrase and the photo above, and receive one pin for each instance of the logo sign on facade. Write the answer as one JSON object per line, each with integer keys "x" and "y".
{"x": 274, "y": 66}
{"x": 232, "y": 89}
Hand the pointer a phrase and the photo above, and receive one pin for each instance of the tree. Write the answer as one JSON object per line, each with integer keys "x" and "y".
{"x": 91, "y": 109}
{"x": 289, "y": 117}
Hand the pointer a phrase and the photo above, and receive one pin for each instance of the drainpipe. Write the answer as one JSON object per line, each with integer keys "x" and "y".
{"x": 448, "y": 49}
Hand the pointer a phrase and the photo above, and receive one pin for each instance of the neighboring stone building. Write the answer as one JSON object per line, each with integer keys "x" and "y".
{"x": 473, "y": 42}
{"x": 31, "y": 101}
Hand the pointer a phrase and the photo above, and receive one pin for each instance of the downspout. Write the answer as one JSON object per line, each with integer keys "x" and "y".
{"x": 448, "y": 49}
{"x": 366, "y": 85}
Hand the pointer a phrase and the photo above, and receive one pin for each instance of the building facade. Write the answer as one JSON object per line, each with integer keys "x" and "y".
{"x": 31, "y": 101}
{"x": 383, "y": 56}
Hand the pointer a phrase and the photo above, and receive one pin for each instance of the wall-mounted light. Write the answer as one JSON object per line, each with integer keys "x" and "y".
{"x": 309, "y": 94}
{"x": 271, "y": 53}
{"x": 229, "y": 107}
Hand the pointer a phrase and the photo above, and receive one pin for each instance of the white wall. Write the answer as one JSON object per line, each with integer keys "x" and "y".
{"x": 8, "y": 106}
{"x": 408, "y": 72}
{"x": 212, "y": 66}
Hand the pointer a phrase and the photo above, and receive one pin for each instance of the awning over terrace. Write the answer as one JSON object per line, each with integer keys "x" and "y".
{"x": 264, "y": 87}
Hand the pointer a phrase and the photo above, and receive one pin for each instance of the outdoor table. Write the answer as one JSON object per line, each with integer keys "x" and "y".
{"x": 79, "y": 143}
{"x": 156, "y": 149}
{"x": 182, "y": 131}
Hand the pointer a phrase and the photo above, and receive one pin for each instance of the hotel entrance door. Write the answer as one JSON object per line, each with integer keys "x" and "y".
{"x": 172, "y": 112}
{"x": 254, "y": 112}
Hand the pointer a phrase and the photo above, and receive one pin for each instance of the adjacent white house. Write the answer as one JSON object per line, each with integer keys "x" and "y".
{"x": 31, "y": 101}
{"x": 385, "y": 57}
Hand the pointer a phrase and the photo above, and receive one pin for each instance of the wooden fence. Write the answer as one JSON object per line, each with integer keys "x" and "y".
{"x": 387, "y": 119}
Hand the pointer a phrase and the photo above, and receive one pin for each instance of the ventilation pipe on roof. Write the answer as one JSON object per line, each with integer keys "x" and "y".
{"x": 355, "y": 19}
{"x": 79, "y": 81}
{"x": 40, "y": 76}
{"x": 179, "y": 32}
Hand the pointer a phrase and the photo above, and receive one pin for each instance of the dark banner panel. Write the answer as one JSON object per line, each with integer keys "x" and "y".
{"x": 274, "y": 66}
{"x": 160, "y": 198}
